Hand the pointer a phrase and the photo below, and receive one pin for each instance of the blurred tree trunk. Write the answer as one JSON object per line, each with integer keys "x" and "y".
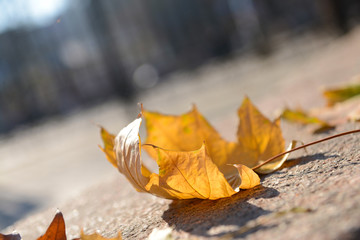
{"x": 116, "y": 72}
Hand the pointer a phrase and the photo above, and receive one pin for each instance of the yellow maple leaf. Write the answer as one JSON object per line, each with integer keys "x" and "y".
{"x": 258, "y": 137}
{"x": 194, "y": 160}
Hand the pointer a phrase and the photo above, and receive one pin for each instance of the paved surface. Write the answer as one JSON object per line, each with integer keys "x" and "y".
{"x": 48, "y": 165}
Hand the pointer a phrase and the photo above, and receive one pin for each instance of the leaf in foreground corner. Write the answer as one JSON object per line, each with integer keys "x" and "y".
{"x": 335, "y": 95}
{"x": 56, "y": 229}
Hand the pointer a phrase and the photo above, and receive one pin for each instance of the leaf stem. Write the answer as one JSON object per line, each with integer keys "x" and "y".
{"x": 306, "y": 145}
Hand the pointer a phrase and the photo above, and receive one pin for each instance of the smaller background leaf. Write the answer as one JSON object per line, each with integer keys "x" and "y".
{"x": 344, "y": 93}
{"x": 302, "y": 117}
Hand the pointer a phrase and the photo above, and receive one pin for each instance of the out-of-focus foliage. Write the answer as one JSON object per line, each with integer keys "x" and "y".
{"x": 91, "y": 50}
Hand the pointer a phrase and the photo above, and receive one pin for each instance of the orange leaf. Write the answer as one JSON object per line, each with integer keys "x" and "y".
{"x": 56, "y": 229}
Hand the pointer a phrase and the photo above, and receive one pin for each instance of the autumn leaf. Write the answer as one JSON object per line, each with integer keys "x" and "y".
{"x": 335, "y": 95}
{"x": 56, "y": 229}
{"x": 248, "y": 178}
{"x": 302, "y": 117}
{"x": 194, "y": 160}
{"x": 182, "y": 175}
{"x": 186, "y": 132}
{"x": 258, "y": 139}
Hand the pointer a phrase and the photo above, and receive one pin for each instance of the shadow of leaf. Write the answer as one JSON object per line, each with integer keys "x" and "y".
{"x": 199, "y": 216}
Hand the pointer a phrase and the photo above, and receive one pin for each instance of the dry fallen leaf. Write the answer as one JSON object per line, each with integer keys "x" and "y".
{"x": 56, "y": 229}
{"x": 182, "y": 175}
{"x": 194, "y": 161}
{"x": 258, "y": 137}
{"x": 340, "y": 94}
{"x": 302, "y": 117}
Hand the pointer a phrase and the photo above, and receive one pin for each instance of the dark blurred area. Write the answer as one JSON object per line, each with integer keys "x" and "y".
{"x": 84, "y": 52}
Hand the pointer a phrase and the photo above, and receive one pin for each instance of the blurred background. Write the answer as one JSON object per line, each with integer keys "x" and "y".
{"x": 66, "y": 65}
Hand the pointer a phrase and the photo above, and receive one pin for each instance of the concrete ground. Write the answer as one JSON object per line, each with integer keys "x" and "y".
{"x": 49, "y": 166}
